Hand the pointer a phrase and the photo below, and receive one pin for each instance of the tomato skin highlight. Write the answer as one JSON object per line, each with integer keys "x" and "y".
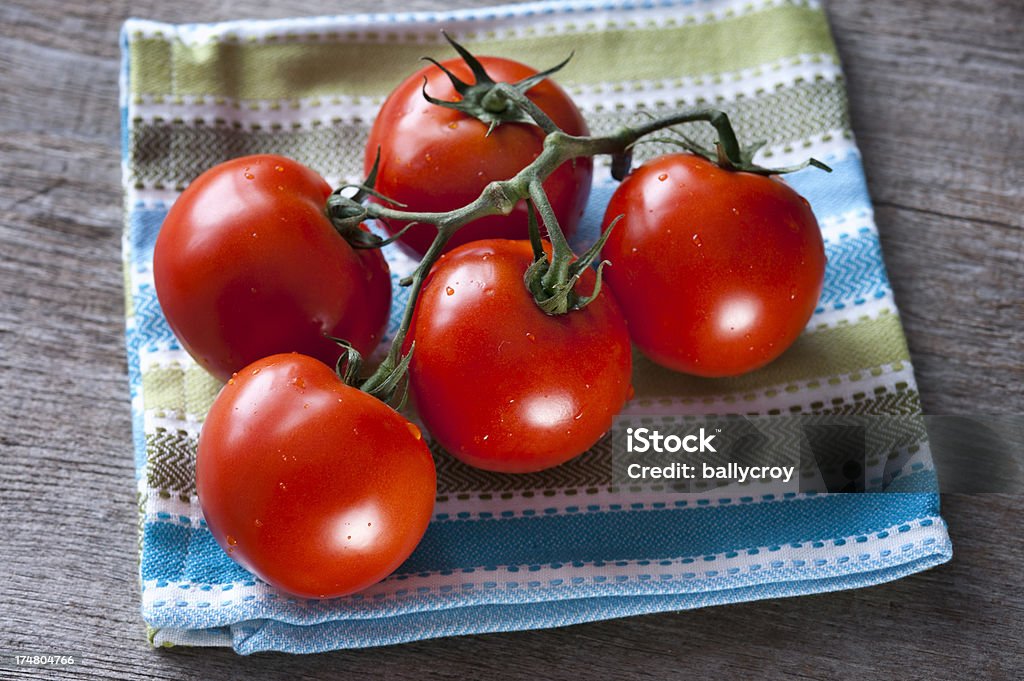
{"x": 501, "y": 385}
{"x": 247, "y": 265}
{"x": 436, "y": 159}
{"x": 717, "y": 271}
{"x": 314, "y": 486}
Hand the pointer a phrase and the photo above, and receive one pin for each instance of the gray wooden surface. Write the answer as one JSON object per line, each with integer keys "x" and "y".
{"x": 936, "y": 88}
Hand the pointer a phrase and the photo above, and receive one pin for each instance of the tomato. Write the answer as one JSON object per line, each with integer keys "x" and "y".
{"x": 317, "y": 488}
{"x": 717, "y": 271}
{"x": 436, "y": 159}
{"x": 498, "y": 383}
{"x": 247, "y": 264}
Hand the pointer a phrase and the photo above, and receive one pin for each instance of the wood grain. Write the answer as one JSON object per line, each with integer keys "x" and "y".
{"x": 936, "y": 90}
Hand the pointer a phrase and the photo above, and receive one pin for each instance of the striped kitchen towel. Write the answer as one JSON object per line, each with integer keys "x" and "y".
{"x": 563, "y": 546}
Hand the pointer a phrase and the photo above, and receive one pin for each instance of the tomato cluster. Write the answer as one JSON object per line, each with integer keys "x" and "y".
{"x": 321, "y": 489}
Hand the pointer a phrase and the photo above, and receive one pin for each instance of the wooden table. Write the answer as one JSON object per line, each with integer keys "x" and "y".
{"x": 936, "y": 89}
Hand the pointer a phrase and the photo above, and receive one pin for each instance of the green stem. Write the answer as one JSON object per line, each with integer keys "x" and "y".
{"x": 394, "y": 356}
{"x": 507, "y": 93}
{"x": 561, "y": 252}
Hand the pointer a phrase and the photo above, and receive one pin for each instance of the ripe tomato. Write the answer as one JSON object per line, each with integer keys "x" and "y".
{"x": 717, "y": 271}
{"x": 500, "y": 384}
{"x": 436, "y": 159}
{"x": 247, "y": 264}
{"x": 319, "y": 489}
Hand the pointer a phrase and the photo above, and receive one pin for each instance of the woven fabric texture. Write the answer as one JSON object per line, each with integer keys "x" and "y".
{"x": 566, "y": 545}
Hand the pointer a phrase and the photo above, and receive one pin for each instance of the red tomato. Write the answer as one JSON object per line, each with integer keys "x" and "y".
{"x": 247, "y": 264}
{"x": 319, "y": 489}
{"x": 500, "y": 384}
{"x": 436, "y": 159}
{"x": 717, "y": 271}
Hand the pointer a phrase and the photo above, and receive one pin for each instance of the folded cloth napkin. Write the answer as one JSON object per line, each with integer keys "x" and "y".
{"x": 563, "y": 546}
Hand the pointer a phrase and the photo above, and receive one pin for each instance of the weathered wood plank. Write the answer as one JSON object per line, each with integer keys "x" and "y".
{"x": 936, "y": 101}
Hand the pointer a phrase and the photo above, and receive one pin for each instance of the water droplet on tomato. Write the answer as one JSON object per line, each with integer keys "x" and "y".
{"x": 414, "y": 430}
{"x": 578, "y": 416}
{"x": 258, "y": 522}
{"x": 453, "y": 125}
{"x": 231, "y": 540}
{"x": 250, "y": 176}
{"x": 634, "y": 249}
{"x": 696, "y": 240}
{"x": 279, "y": 169}
{"x": 305, "y": 405}
{"x": 792, "y": 292}
{"x": 283, "y": 487}
{"x": 299, "y": 382}
{"x": 662, "y": 177}
{"x": 255, "y": 371}
{"x": 450, "y": 291}
{"x": 530, "y": 337}
{"x": 231, "y": 381}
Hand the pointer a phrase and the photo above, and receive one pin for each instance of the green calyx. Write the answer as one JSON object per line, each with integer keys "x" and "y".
{"x": 389, "y": 383}
{"x": 486, "y": 100}
{"x": 347, "y": 212}
{"x": 552, "y": 281}
{"x": 728, "y": 154}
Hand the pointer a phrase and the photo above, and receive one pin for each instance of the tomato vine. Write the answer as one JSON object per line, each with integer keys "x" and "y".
{"x": 552, "y": 279}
